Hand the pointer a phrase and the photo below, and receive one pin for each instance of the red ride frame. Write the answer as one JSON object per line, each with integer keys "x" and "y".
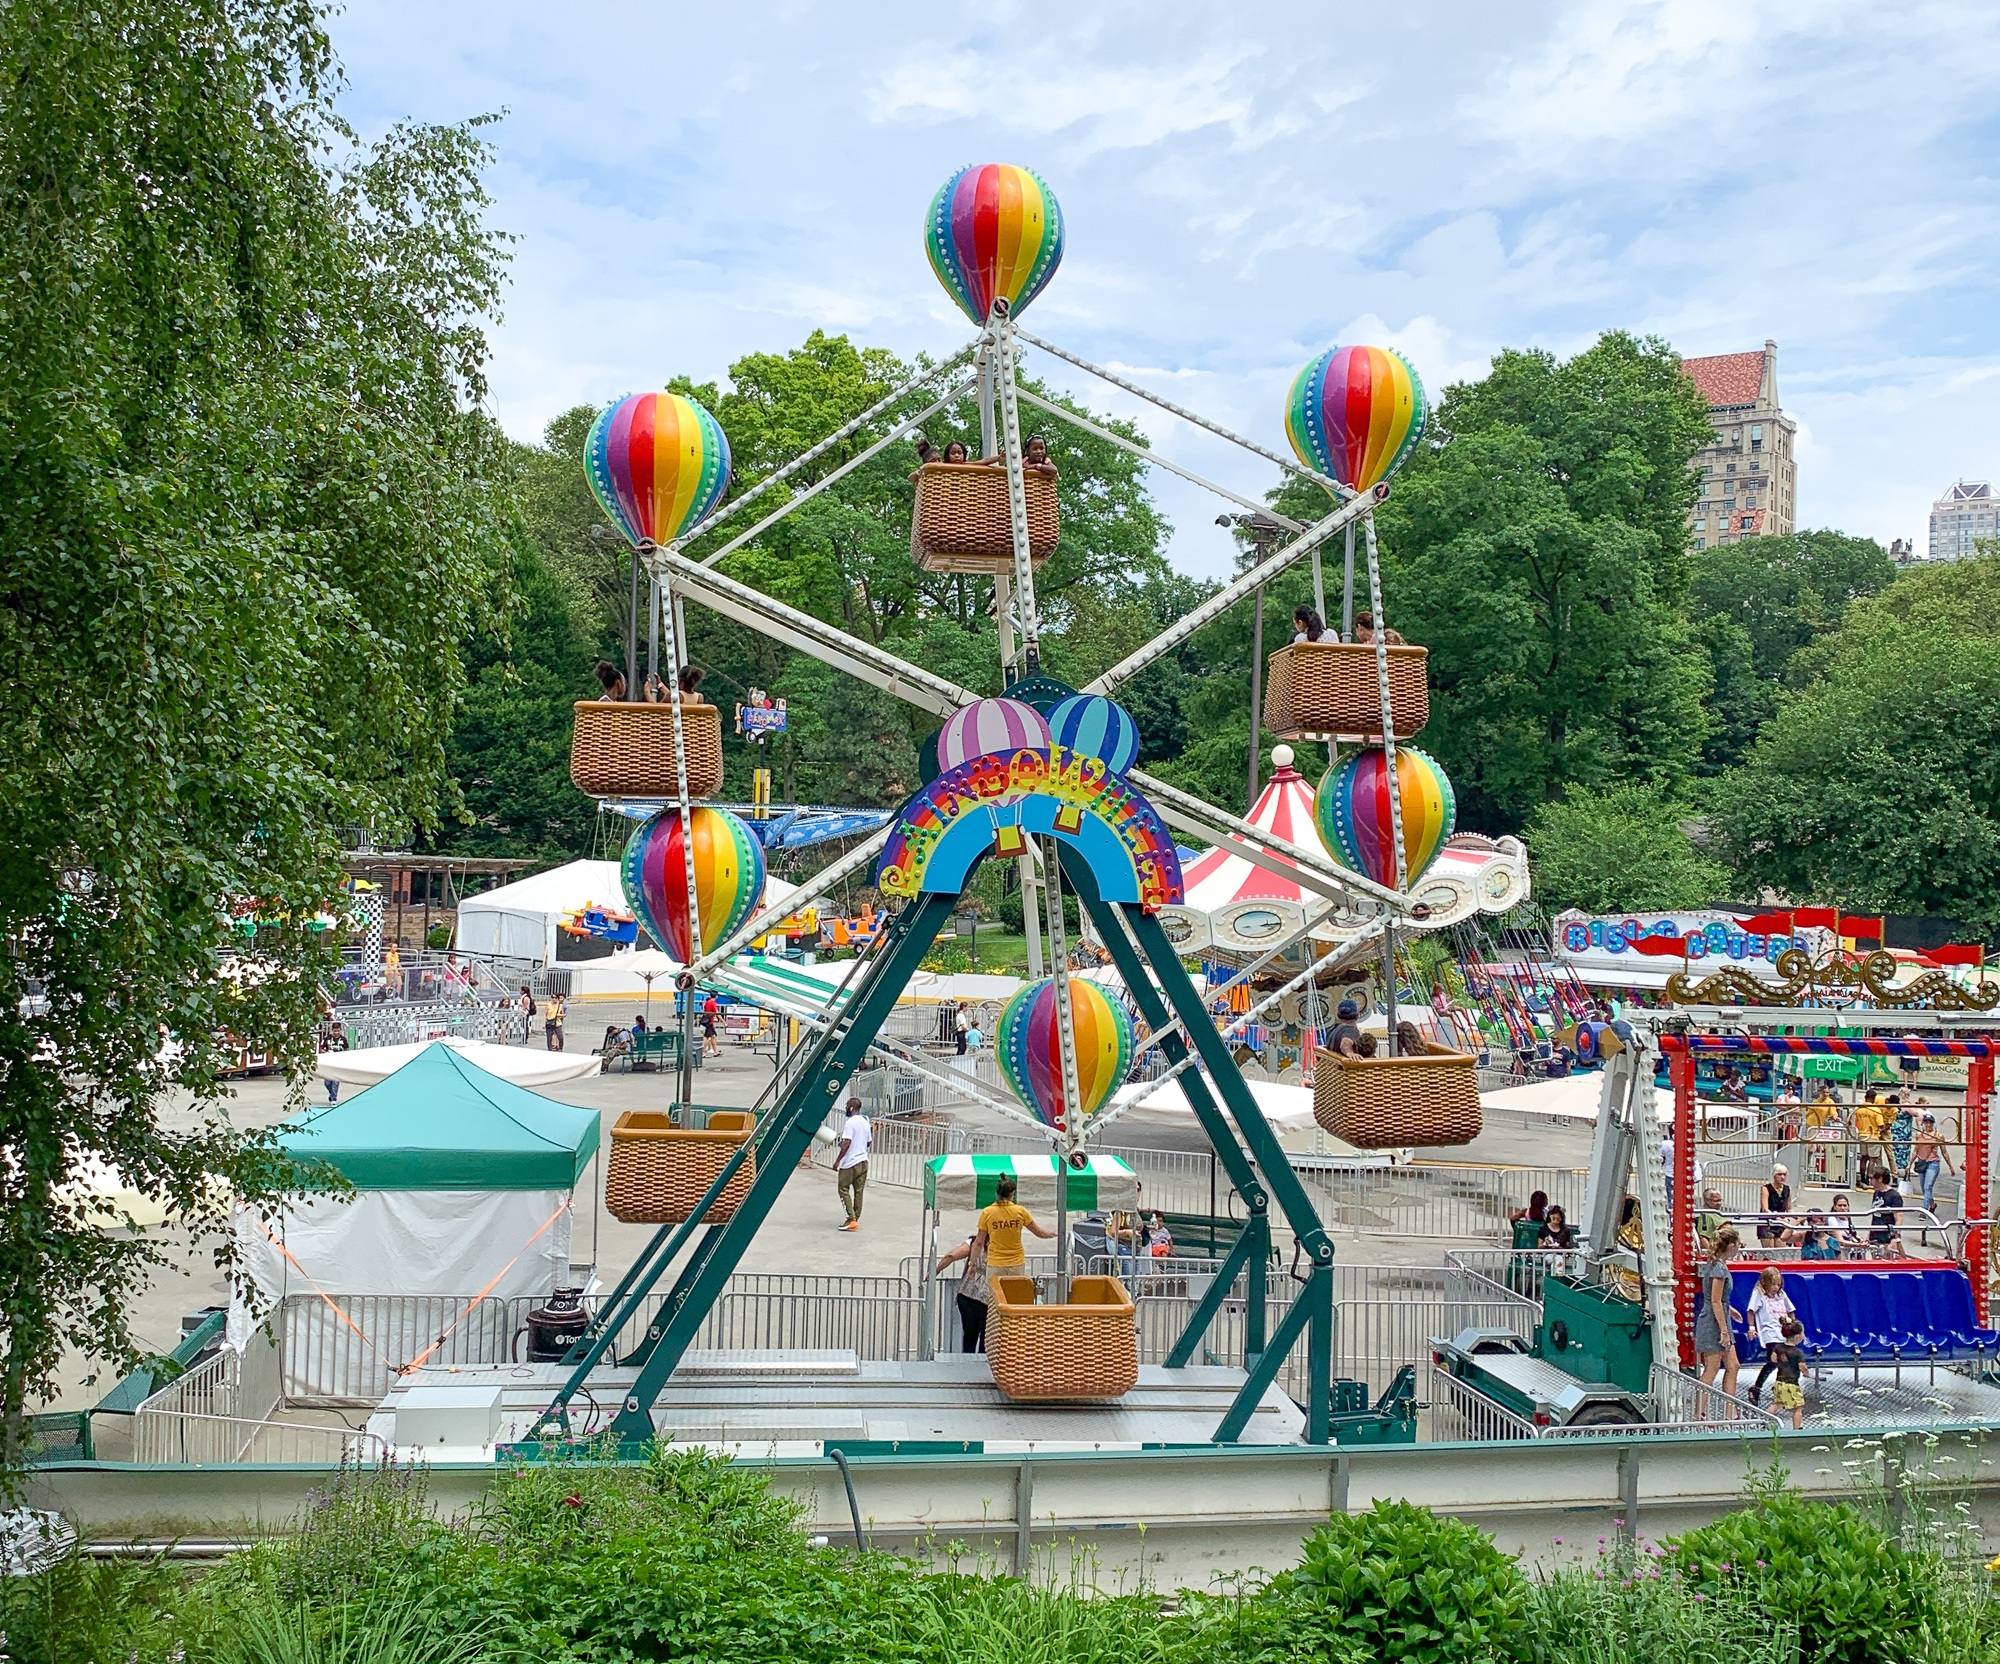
{"x": 1681, "y": 1067}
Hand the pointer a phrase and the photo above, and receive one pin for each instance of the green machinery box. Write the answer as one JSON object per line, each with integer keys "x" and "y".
{"x": 1595, "y": 1334}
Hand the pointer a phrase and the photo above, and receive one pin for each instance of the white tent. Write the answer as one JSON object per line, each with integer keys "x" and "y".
{"x": 523, "y": 1065}
{"x": 1287, "y": 1108}
{"x": 1574, "y": 1096}
{"x": 519, "y": 921}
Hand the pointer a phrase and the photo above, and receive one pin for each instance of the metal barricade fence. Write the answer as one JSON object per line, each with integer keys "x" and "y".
{"x": 349, "y": 1350}
{"x": 1436, "y": 1200}
{"x": 1683, "y": 1401}
{"x": 399, "y": 1025}
{"x": 201, "y": 1440}
{"x": 1458, "y": 1413}
{"x": 871, "y": 1326}
{"x": 1505, "y": 1273}
{"x": 1385, "y": 1316}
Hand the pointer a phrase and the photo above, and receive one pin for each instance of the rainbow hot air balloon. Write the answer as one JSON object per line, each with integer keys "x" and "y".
{"x": 994, "y": 233}
{"x": 1351, "y": 810}
{"x": 658, "y": 463}
{"x": 728, "y": 878}
{"x": 1030, "y": 1049}
{"x": 1355, "y": 414}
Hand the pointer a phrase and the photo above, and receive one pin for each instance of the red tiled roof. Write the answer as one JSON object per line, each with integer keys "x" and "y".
{"x": 1728, "y": 378}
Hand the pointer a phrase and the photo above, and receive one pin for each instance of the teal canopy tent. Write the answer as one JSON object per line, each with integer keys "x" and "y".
{"x": 441, "y": 1123}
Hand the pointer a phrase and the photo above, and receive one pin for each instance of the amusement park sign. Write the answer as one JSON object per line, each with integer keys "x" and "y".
{"x": 1661, "y": 942}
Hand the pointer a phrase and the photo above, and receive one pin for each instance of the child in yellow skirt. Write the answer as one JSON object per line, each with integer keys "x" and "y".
{"x": 1789, "y": 1355}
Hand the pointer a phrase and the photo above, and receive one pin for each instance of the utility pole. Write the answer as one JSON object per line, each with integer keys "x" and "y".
{"x": 1260, "y": 531}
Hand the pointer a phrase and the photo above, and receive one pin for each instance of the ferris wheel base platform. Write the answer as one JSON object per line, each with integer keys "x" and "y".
{"x": 760, "y": 1402}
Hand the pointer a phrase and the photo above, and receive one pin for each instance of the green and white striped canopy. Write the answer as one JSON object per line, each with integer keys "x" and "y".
{"x": 968, "y": 1181}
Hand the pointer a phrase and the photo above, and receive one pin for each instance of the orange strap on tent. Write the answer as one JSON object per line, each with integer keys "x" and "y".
{"x": 417, "y": 1361}
{"x": 303, "y": 1272}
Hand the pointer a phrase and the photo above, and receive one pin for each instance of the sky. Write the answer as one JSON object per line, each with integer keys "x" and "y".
{"x": 1245, "y": 186}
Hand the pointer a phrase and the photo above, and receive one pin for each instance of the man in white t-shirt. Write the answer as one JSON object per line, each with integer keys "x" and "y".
{"x": 850, "y": 1164}
{"x": 1667, "y": 1167}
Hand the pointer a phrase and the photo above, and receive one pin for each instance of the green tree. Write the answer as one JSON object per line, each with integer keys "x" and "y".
{"x": 1877, "y": 784}
{"x": 1757, "y": 602}
{"x": 509, "y": 747}
{"x": 1541, "y": 555}
{"x": 853, "y": 741}
{"x": 843, "y": 557}
{"x": 248, "y": 508}
{"x": 1620, "y": 848}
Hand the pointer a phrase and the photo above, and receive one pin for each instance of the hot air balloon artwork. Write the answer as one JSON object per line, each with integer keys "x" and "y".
{"x": 994, "y": 233}
{"x": 1092, "y": 726}
{"x": 1351, "y": 810}
{"x": 1029, "y": 1047}
{"x": 989, "y": 727}
{"x": 728, "y": 878}
{"x": 658, "y": 464}
{"x": 1355, "y": 414}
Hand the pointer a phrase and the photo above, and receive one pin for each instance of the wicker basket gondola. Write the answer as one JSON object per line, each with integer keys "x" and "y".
{"x": 1323, "y": 689}
{"x": 658, "y": 1173}
{"x": 627, "y": 750}
{"x": 963, "y": 522}
{"x": 1386, "y": 1103}
{"x": 1088, "y": 1348}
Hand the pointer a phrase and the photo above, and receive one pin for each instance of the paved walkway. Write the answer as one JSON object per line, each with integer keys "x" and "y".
{"x": 802, "y": 1233}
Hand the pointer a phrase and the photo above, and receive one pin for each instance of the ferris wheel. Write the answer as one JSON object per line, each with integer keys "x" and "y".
{"x": 1044, "y": 776}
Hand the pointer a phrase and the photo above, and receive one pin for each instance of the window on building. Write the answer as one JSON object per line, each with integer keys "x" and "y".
{"x": 1701, "y": 543}
{"x": 1732, "y": 468}
{"x": 1701, "y": 525}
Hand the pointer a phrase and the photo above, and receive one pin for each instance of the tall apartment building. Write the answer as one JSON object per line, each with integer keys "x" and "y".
{"x": 1964, "y": 513}
{"x": 1749, "y": 482}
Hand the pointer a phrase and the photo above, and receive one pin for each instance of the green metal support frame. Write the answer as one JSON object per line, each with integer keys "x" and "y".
{"x": 1254, "y": 1245}
{"x": 1314, "y": 1309}
{"x": 590, "y": 1348}
{"x": 1315, "y": 1304}
{"x": 788, "y": 1135}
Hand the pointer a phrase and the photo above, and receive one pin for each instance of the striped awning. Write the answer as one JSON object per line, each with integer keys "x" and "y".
{"x": 968, "y": 1181}
{"x": 781, "y": 985}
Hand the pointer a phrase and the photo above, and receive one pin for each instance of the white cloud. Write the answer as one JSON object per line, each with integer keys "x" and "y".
{"x": 1243, "y": 189}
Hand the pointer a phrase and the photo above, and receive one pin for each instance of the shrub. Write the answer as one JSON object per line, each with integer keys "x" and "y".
{"x": 82, "y": 1610}
{"x": 271, "y": 1631}
{"x": 686, "y": 1557}
{"x": 1631, "y": 1609}
{"x": 1411, "y": 1586}
{"x": 1823, "y": 1566}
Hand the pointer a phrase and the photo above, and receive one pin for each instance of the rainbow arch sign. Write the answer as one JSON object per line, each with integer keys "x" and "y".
{"x": 991, "y": 803}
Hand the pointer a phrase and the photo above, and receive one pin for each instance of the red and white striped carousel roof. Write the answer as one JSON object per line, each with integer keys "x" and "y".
{"x": 1285, "y": 810}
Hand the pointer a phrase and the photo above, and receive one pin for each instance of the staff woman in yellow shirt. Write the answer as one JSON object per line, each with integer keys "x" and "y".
{"x": 1000, "y": 1228}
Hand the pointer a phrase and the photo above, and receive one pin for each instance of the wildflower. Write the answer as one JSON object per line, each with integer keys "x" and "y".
{"x": 1698, "y": 1595}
